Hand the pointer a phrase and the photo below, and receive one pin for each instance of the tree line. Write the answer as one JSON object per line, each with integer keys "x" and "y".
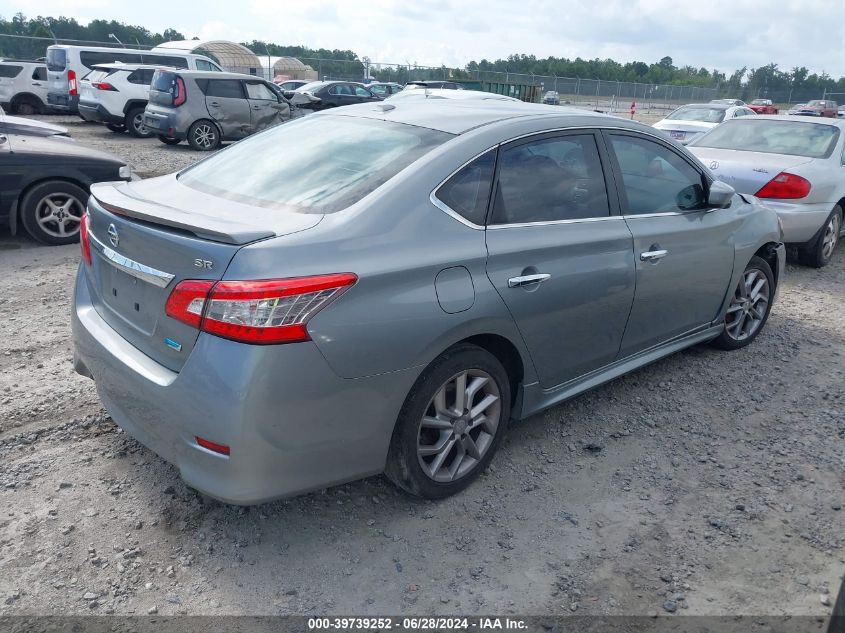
{"x": 768, "y": 81}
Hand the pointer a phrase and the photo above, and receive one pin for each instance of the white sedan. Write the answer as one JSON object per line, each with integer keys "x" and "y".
{"x": 691, "y": 121}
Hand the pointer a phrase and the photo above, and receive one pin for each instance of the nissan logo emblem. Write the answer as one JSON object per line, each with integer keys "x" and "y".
{"x": 114, "y": 238}
{"x": 714, "y": 164}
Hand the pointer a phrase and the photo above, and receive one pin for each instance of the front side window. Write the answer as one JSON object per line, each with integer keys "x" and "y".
{"x": 379, "y": 90}
{"x": 362, "y": 92}
{"x": 551, "y": 179}
{"x": 257, "y": 90}
{"x": 224, "y": 88}
{"x": 468, "y": 191}
{"x": 329, "y": 163}
{"x": 655, "y": 179}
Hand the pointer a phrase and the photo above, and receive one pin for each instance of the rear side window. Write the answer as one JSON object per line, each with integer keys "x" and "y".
{"x": 165, "y": 60}
{"x": 328, "y": 164}
{"x": 468, "y": 191}
{"x": 142, "y": 76}
{"x": 224, "y": 88}
{"x": 204, "y": 65}
{"x": 551, "y": 179}
{"x": 90, "y": 59}
{"x": 362, "y": 92}
{"x": 8, "y": 70}
{"x": 656, "y": 179}
{"x": 40, "y": 73}
{"x": 56, "y": 59}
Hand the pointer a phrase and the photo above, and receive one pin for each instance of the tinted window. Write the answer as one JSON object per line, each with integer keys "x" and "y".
{"x": 655, "y": 179}
{"x": 7, "y": 70}
{"x": 362, "y": 92}
{"x": 256, "y": 90}
{"x": 40, "y": 73}
{"x": 92, "y": 58}
{"x": 166, "y": 60}
{"x": 468, "y": 191}
{"x": 329, "y": 163}
{"x": 143, "y": 76}
{"x": 551, "y": 179}
{"x": 56, "y": 59}
{"x": 226, "y": 88}
{"x": 773, "y": 136}
{"x": 340, "y": 89}
{"x": 379, "y": 90}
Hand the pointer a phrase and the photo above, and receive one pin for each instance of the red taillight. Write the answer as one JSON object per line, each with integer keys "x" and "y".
{"x": 72, "y": 88}
{"x": 213, "y": 446}
{"x": 785, "y": 186}
{"x": 181, "y": 95}
{"x": 259, "y": 312}
{"x": 187, "y": 301}
{"x": 84, "y": 239}
{"x": 102, "y": 85}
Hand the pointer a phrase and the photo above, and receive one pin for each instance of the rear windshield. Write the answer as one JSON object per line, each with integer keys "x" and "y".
{"x": 703, "y": 114}
{"x": 771, "y": 136}
{"x": 328, "y": 163}
{"x": 163, "y": 81}
{"x": 56, "y": 59}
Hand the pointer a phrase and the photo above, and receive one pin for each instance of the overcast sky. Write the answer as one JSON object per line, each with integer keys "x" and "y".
{"x": 723, "y": 34}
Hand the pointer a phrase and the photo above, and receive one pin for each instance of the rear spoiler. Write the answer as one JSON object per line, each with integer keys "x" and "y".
{"x": 116, "y": 198}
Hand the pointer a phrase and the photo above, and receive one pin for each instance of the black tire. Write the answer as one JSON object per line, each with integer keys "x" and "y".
{"x": 134, "y": 122}
{"x": 117, "y": 128}
{"x": 404, "y": 464}
{"x": 68, "y": 197}
{"x": 168, "y": 141}
{"x": 27, "y": 106}
{"x": 819, "y": 251}
{"x": 204, "y": 136}
{"x": 732, "y": 337}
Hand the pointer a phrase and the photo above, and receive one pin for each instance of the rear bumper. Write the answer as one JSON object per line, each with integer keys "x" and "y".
{"x": 292, "y": 424}
{"x": 63, "y": 102}
{"x": 800, "y": 221}
{"x": 164, "y": 125}
{"x": 97, "y": 112}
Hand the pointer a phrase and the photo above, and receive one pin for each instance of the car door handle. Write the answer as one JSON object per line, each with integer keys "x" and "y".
{"x": 527, "y": 280}
{"x": 35, "y": 83}
{"x": 653, "y": 256}
{"x": 214, "y": 103}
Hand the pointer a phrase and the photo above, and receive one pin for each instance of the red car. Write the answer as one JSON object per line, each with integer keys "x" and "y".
{"x": 819, "y": 107}
{"x": 763, "y": 106}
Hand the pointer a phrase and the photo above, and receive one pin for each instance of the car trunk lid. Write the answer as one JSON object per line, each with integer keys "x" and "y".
{"x": 147, "y": 236}
{"x": 746, "y": 172}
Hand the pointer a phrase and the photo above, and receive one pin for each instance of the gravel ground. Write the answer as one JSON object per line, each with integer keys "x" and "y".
{"x": 707, "y": 483}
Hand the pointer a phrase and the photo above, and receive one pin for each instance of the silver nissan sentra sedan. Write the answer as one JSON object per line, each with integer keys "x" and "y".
{"x": 400, "y": 282}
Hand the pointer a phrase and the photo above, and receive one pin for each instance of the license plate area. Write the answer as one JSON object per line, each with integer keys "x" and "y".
{"x": 135, "y": 301}
{"x": 150, "y": 121}
{"x": 678, "y": 136}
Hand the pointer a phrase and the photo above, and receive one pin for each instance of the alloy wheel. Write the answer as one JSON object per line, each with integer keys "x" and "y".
{"x": 59, "y": 214}
{"x": 830, "y": 237}
{"x": 205, "y": 136}
{"x": 459, "y": 425}
{"x": 138, "y": 124}
{"x": 747, "y": 311}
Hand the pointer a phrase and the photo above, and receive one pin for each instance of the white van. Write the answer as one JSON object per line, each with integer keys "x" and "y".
{"x": 66, "y": 65}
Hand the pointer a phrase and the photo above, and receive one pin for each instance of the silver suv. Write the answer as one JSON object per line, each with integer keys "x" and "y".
{"x": 207, "y": 108}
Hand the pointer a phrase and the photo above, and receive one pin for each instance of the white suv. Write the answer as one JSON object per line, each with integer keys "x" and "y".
{"x": 116, "y": 94}
{"x": 23, "y": 86}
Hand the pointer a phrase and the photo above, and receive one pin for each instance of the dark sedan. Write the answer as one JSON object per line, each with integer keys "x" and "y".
{"x": 320, "y": 95}
{"x": 44, "y": 184}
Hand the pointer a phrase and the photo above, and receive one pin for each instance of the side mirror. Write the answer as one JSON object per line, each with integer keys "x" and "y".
{"x": 720, "y": 195}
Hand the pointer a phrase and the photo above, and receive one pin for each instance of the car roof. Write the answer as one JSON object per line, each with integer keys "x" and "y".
{"x": 711, "y": 106}
{"x": 456, "y": 116}
{"x": 210, "y": 74}
{"x": 122, "y": 66}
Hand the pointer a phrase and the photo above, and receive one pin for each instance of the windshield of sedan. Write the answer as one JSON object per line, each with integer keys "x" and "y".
{"x": 702, "y": 114}
{"x": 772, "y": 136}
{"x": 317, "y": 164}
